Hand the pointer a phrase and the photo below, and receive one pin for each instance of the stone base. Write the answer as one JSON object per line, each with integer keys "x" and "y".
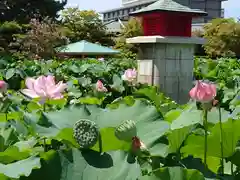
{"x": 167, "y": 62}
{"x": 165, "y": 39}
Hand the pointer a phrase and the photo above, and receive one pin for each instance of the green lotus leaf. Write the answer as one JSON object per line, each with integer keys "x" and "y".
{"x": 178, "y": 173}
{"x": 150, "y": 127}
{"x": 20, "y": 168}
{"x": 91, "y": 165}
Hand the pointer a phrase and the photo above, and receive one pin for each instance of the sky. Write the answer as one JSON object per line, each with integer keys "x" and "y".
{"x": 232, "y": 7}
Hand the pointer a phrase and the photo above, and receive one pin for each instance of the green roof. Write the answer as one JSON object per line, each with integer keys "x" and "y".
{"x": 87, "y": 48}
{"x": 168, "y": 5}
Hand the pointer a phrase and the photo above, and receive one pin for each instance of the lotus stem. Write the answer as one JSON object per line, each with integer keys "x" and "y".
{"x": 44, "y": 107}
{"x": 205, "y": 125}
{"x": 45, "y": 104}
{"x": 221, "y": 139}
{"x": 100, "y": 143}
{"x": 44, "y": 144}
{"x": 232, "y": 171}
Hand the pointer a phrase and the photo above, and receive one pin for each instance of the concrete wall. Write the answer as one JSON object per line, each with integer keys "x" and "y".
{"x": 168, "y": 66}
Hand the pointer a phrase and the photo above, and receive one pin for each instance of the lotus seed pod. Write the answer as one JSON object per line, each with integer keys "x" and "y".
{"x": 86, "y": 133}
{"x": 126, "y": 131}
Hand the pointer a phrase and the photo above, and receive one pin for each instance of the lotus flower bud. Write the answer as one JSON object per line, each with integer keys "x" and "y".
{"x": 100, "y": 87}
{"x": 126, "y": 131}
{"x": 3, "y": 86}
{"x": 101, "y": 59}
{"x": 86, "y": 133}
{"x": 203, "y": 92}
{"x": 130, "y": 75}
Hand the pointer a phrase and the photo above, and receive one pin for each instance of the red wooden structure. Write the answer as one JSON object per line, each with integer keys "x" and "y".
{"x": 161, "y": 21}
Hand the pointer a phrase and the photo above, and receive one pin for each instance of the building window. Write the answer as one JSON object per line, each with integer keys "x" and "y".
{"x": 120, "y": 12}
{"x": 115, "y": 14}
{"x": 111, "y": 14}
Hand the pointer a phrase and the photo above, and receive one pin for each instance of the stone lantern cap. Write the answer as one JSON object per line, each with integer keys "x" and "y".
{"x": 168, "y": 5}
{"x": 165, "y": 39}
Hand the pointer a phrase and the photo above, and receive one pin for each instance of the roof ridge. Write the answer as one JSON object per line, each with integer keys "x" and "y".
{"x": 168, "y": 5}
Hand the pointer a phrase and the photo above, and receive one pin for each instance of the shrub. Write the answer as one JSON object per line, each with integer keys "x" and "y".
{"x": 223, "y": 38}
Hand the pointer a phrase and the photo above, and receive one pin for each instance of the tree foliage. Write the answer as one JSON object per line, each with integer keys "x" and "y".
{"x": 85, "y": 25}
{"x": 43, "y": 38}
{"x": 23, "y": 11}
{"x": 132, "y": 29}
{"x": 223, "y": 38}
{"x": 11, "y": 34}
{"x": 126, "y": 50}
{"x": 15, "y": 16}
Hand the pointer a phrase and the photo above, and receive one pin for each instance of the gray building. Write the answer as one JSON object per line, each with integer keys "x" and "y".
{"x": 212, "y": 7}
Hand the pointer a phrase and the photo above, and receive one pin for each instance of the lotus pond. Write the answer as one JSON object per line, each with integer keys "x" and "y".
{"x": 90, "y": 120}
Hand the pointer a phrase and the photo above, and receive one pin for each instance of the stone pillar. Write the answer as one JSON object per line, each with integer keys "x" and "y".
{"x": 167, "y": 62}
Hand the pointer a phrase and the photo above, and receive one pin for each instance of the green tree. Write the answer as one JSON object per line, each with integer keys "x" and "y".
{"x": 132, "y": 29}
{"x": 85, "y": 25}
{"x": 223, "y": 38}
{"x": 23, "y": 11}
{"x": 42, "y": 38}
{"x": 11, "y": 34}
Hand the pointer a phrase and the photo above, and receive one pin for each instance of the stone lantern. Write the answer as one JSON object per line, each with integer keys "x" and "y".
{"x": 166, "y": 56}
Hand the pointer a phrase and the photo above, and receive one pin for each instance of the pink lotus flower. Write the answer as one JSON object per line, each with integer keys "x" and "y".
{"x": 101, "y": 59}
{"x": 44, "y": 87}
{"x": 3, "y": 86}
{"x": 100, "y": 87}
{"x": 203, "y": 92}
{"x": 130, "y": 75}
